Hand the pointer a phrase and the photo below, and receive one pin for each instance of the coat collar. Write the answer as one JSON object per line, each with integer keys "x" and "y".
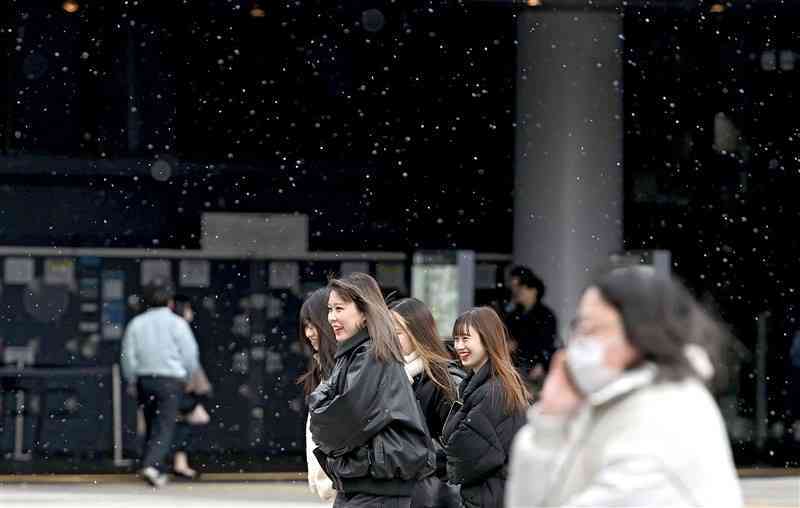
{"x": 628, "y": 382}
{"x": 353, "y": 342}
{"x": 413, "y": 365}
{"x": 476, "y": 379}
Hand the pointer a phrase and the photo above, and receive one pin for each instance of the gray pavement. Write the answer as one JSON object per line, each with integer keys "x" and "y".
{"x": 759, "y": 493}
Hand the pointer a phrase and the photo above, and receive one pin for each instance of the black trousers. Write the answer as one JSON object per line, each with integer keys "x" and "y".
{"x": 159, "y": 398}
{"x": 369, "y": 501}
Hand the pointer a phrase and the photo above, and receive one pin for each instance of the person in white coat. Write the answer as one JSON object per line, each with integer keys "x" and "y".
{"x": 625, "y": 417}
{"x": 316, "y": 337}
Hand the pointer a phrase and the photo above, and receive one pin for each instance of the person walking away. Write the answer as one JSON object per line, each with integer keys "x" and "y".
{"x": 159, "y": 354}
{"x": 192, "y": 411}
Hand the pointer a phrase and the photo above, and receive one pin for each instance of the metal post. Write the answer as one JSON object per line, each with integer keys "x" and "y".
{"x": 761, "y": 381}
{"x": 465, "y": 262}
{"x": 19, "y": 428}
{"x": 19, "y": 421}
{"x": 116, "y": 400}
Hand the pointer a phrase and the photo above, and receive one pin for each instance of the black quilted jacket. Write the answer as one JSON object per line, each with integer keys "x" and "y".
{"x": 478, "y": 439}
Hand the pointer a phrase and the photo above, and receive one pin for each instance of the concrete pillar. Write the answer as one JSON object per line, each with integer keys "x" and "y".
{"x": 568, "y": 192}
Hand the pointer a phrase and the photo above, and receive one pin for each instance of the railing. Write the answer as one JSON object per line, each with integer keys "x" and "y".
{"x": 44, "y": 374}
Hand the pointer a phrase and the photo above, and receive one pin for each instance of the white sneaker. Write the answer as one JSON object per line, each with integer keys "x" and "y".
{"x": 154, "y": 477}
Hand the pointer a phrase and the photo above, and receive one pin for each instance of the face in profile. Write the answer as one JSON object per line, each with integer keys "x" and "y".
{"x": 312, "y": 335}
{"x": 401, "y": 330}
{"x": 344, "y": 317}
{"x": 188, "y": 314}
{"x": 470, "y": 349}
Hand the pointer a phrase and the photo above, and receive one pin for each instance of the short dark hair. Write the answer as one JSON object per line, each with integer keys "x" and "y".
{"x": 661, "y": 317}
{"x": 182, "y": 302}
{"x": 528, "y": 278}
{"x": 158, "y": 293}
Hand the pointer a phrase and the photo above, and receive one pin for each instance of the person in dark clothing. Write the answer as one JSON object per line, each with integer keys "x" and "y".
{"x": 531, "y": 324}
{"x": 371, "y": 436}
{"x": 494, "y": 401}
{"x": 435, "y": 379}
{"x": 192, "y": 409}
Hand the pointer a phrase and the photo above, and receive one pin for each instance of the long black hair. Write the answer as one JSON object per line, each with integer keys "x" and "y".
{"x": 314, "y": 312}
{"x": 661, "y": 319}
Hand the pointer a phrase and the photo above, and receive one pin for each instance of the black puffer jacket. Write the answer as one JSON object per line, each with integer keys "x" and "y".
{"x": 478, "y": 439}
{"x": 369, "y": 429}
{"x": 433, "y": 399}
{"x": 433, "y": 492}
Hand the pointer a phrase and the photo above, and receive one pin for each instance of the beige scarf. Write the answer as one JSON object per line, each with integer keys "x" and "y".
{"x": 413, "y": 365}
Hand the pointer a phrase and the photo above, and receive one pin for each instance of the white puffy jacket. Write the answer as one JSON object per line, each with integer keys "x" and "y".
{"x": 634, "y": 443}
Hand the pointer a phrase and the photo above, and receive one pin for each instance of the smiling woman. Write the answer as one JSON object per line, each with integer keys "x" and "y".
{"x": 478, "y": 436}
{"x": 344, "y": 317}
{"x": 370, "y": 433}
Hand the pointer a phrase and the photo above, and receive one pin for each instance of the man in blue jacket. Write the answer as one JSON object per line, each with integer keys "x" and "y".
{"x": 159, "y": 354}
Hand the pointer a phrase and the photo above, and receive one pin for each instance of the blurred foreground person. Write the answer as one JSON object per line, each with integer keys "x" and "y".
{"x": 493, "y": 401}
{"x": 316, "y": 337}
{"x": 435, "y": 378}
{"x": 371, "y": 435}
{"x": 625, "y": 418}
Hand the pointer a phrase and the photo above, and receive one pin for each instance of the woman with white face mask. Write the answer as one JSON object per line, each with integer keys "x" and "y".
{"x": 625, "y": 418}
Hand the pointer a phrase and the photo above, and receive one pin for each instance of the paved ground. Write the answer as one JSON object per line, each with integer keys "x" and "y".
{"x": 759, "y": 493}
{"x": 778, "y": 492}
{"x": 124, "y": 495}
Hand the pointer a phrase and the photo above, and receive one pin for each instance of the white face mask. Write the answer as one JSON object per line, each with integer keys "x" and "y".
{"x": 586, "y": 363}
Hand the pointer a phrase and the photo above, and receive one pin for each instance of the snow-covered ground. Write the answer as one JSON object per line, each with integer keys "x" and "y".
{"x": 759, "y": 493}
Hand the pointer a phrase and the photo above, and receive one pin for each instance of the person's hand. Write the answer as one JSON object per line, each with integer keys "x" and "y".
{"x": 559, "y": 396}
{"x": 536, "y": 373}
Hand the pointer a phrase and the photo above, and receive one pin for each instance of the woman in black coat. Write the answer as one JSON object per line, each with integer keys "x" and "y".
{"x": 370, "y": 433}
{"x": 493, "y": 404}
{"x": 435, "y": 379}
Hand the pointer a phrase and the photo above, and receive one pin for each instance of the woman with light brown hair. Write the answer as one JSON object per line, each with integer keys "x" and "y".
{"x": 494, "y": 400}
{"x": 369, "y": 431}
{"x": 435, "y": 379}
